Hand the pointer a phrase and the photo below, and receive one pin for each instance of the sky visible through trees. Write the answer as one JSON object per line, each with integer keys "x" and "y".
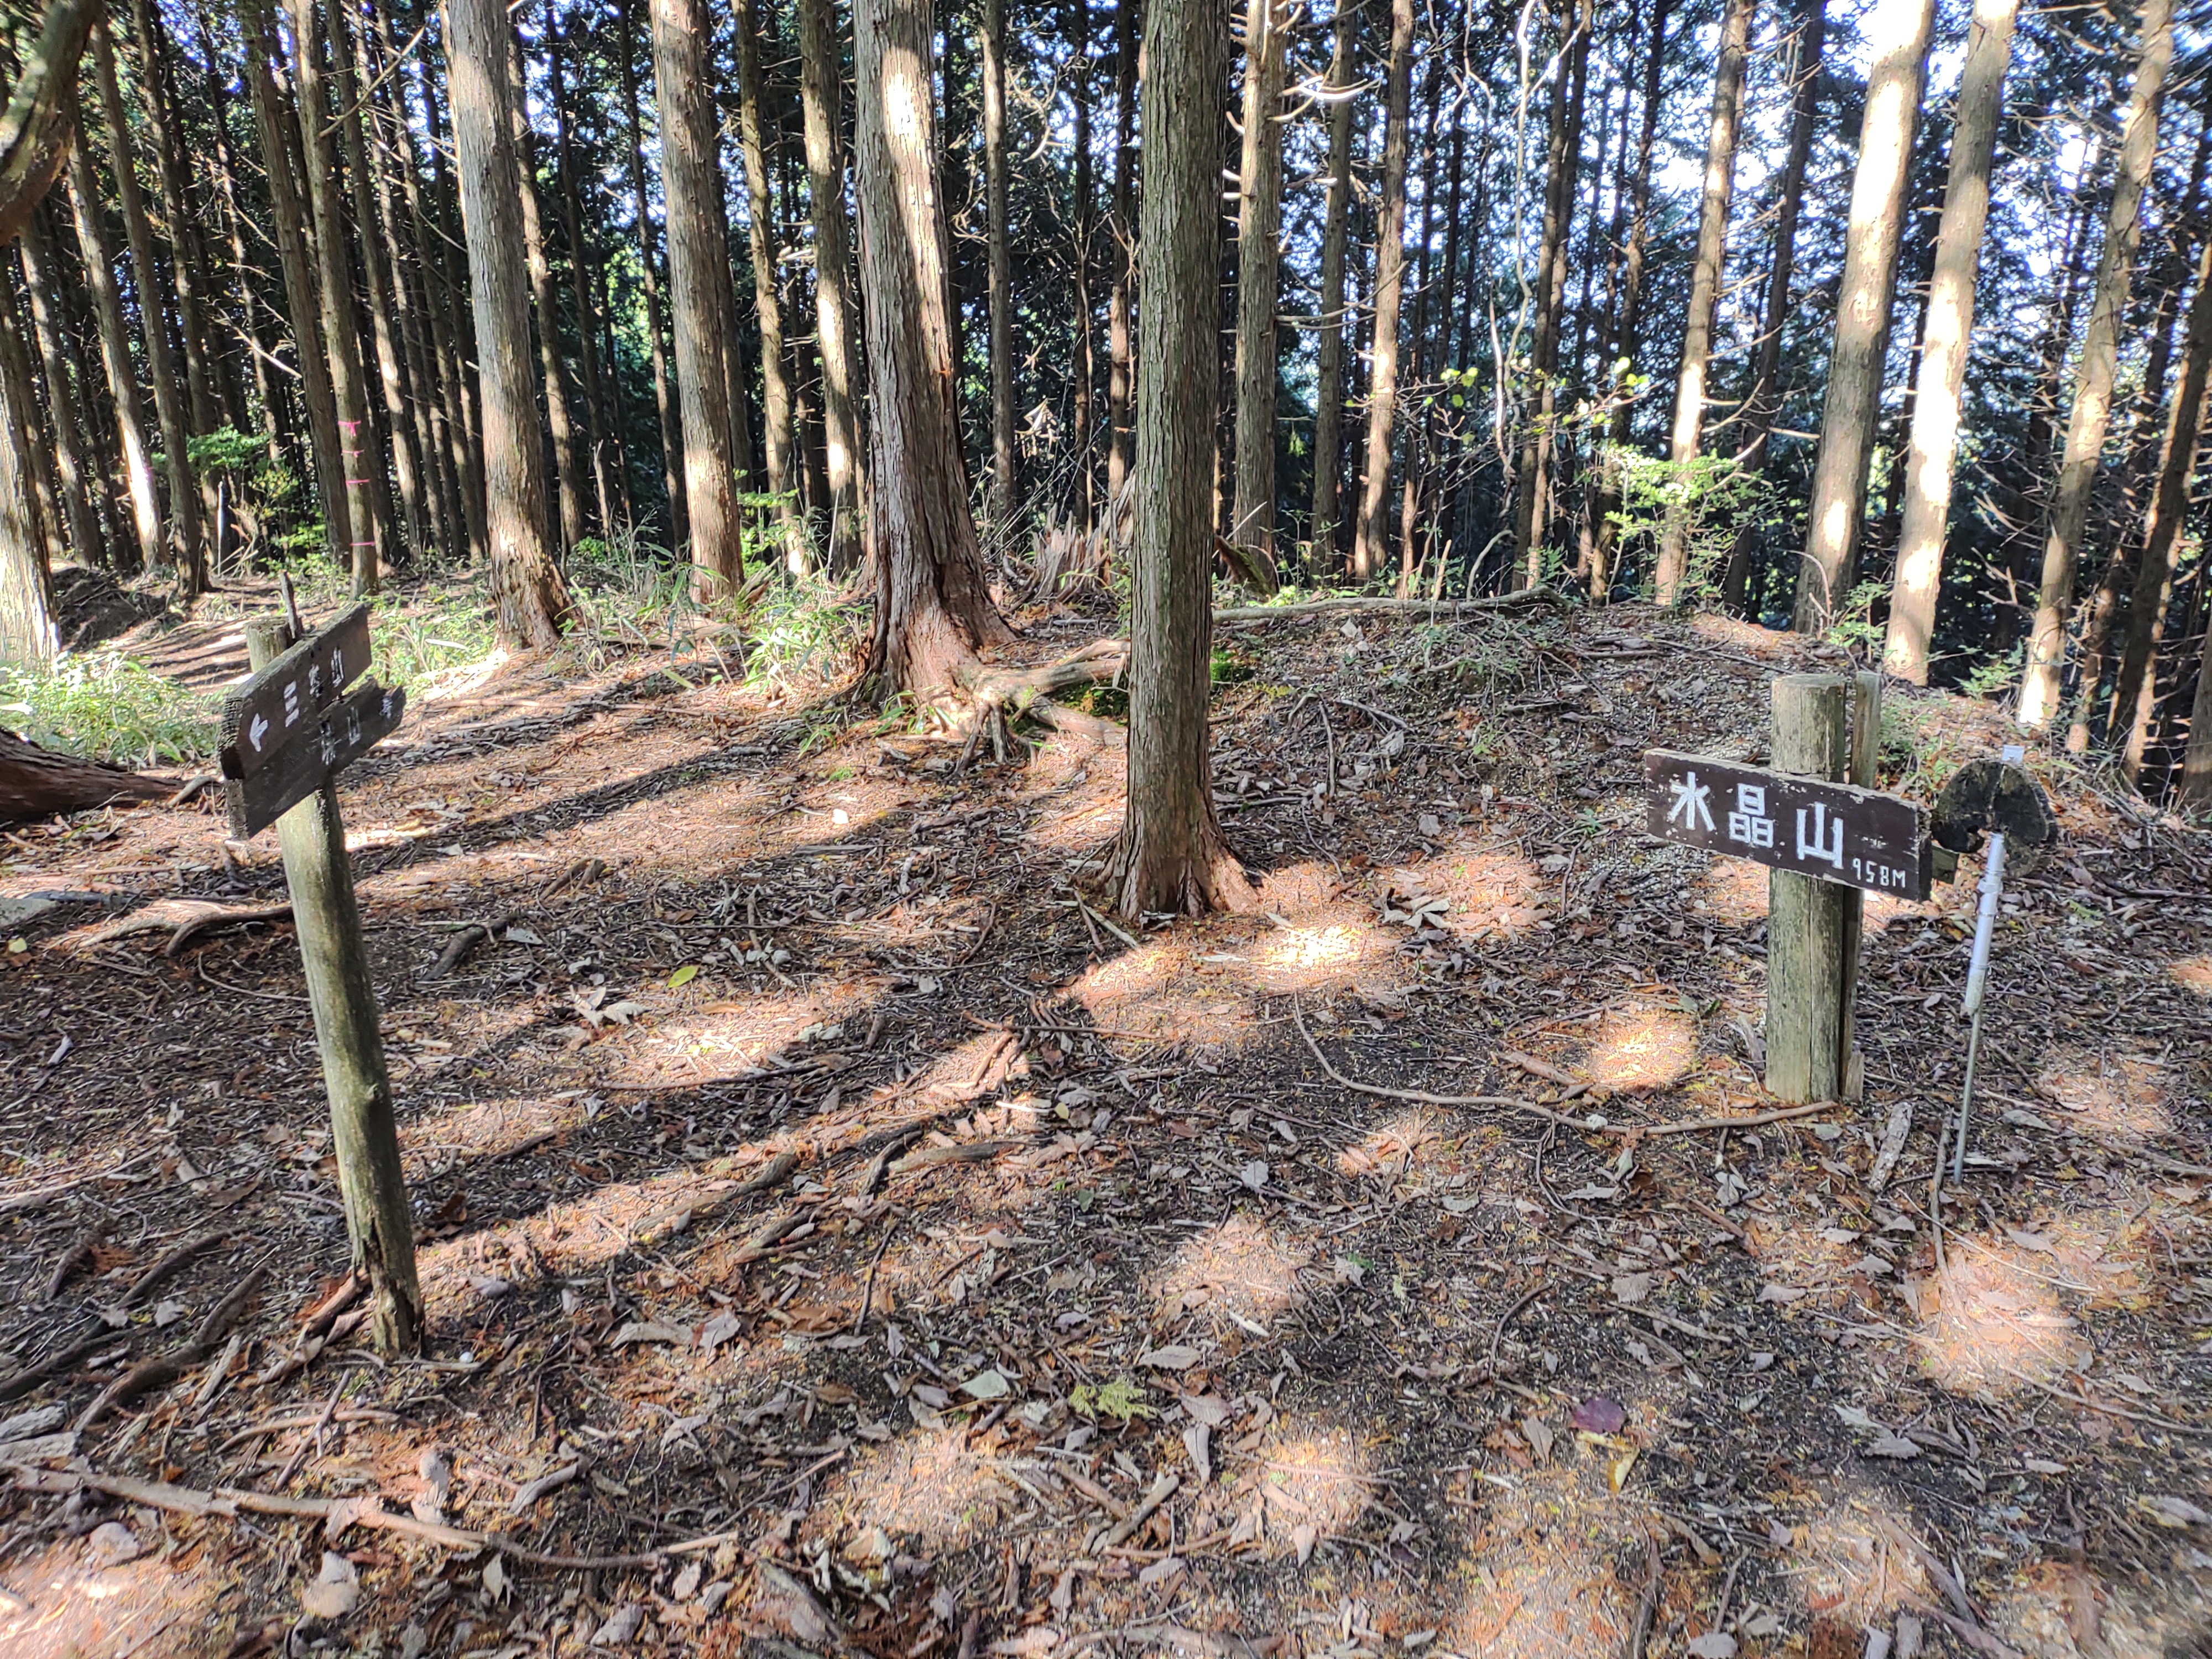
{"x": 307, "y": 240}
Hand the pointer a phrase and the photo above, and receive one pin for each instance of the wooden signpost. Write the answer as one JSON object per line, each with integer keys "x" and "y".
{"x": 286, "y": 732}
{"x": 1827, "y": 839}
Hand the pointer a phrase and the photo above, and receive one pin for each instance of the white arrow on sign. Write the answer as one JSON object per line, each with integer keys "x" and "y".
{"x": 256, "y": 731}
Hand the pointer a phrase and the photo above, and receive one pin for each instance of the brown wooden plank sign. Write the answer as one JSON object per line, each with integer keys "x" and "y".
{"x": 293, "y": 725}
{"x": 1833, "y": 832}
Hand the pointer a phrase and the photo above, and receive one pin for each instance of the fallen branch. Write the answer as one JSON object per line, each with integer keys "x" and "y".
{"x": 185, "y": 918}
{"x": 1526, "y": 598}
{"x": 1587, "y": 1125}
{"x": 162, "y": 1369}
{"x": 15, "y": 1387}
{"x": 336, "y": 1513}
{"x": 467, "y": 939}
{"x": 145, "y": 1283}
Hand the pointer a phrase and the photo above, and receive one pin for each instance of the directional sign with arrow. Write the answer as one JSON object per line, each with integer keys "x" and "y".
{"x": 262, "y": 716}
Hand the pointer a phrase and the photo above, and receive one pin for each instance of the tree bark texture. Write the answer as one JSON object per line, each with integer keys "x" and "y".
{"x": 2092, "y": 380}
{"x": 1897, "y": 32}
{"x": 933, "y": 610}
{"x": 656, "y": 316}
{"x": 1120, "y": 366}
{"x": 1371, "y": 544}
{"x": 1001, "y": 270}
{"x": 776, "y": 437}
{"x": 1933, "y": 447}
{"x": 528, "y": 594}
{"x": 1171, "y": 856}
{"x": 1707, "y": 267}
{"x": 115, "y": 354}
{"x": 1259, "y": 265}
{"x": 1336, "y": 233}
{"x": 699, "y": 289}
{"x": 567, "y": 468}
{"x": 821, "y": 84}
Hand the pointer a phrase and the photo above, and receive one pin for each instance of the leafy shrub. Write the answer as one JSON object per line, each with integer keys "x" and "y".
{"x": 104, "y": 705}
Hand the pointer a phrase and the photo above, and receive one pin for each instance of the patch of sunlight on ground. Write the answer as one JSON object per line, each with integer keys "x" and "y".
{"x": 1744, "y": 635}
{"x": 706, "y": 1030}
{"x": 1640, "y": 1050}
{"x": 452, "y": 878}
{"x": 1240, "y": 1269}
{"x": 2125, "y": 1096}
{"x": 1157, "y": 991}
{"x": 1994, "y": 1325}
{"x": 2160, "y": 1615}
{"x": 480, "y": 1129}
{"x": 974, "y": 1068}
{"x": 1846, "y": 1564}
{"x": 1309, "y": 1479}
{"x": 1079, "y": 790}
{"x": 63, "y": 1604}
{"x": 924, "y": 1488}
{"x": 462, "y": 680}
{"x": 834, "y": 810}
{"x": 1332, "y": 943}
{"x": 1555, "y": 1556}
{"x": 1391, "y": 1148}
{"x": 2192, "y": 974}
{"x": 1494, "y": 892}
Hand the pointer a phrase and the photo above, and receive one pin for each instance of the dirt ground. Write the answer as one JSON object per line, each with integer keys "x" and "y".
{"x": 818, "y": 1200}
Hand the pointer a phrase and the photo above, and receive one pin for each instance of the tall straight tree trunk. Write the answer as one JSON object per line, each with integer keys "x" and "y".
{"x": 777, "y": 434}
{"x": 1329, "y": 392}
{"x": 1605, "y": 500}
{"x": 340, "y": 335}
{"x": 648, "y": 259}
{"x": 568, "y": 465}
{"x": 1082, "y": 361}
{"x": 276, "y": 122}
{"x": 1762, "y": 402}
{"x": 821, "y": 84}
{"x": 601, "y": 429}
{"x": 527, "y": 591}
{"x": 2134, "y": 694}
{"x": 186, "y": 266}
{"x": 1706, "y": 270}
{"x": 2194, "y": 792}
{"x": 1121, "y": 368}
{"x": 1896, "y": 32}
{"x": 1370, "y": 545}
{"x": 115, "y": 352}
{"x": 28, "y": 638}
{"x": 45, "y": 504}
{"x": 1001, "y": 267}
{"x": 1258, "y": 266}
{"x": 699, "y": 288}
{"x": 69, "y": 468}
{"x": 1933, "y": 447}
{"x": 1562, "y": 159}
{"x": 406, "y": 463}
{"x": 2093, "y": 383}
{"x": 1171, "y": 855}
{"x": 933, "y": 610}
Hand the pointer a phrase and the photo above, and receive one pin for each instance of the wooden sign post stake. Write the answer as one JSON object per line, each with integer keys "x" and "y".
{"x": 1812, "y": 926}
{"x": 364, "y": 1136}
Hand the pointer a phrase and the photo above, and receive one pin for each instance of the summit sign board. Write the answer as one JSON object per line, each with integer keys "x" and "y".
{"x": 1832, "y": 832}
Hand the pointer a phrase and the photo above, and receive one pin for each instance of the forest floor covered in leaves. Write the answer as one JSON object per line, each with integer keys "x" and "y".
{"x": 840, "y": 1232}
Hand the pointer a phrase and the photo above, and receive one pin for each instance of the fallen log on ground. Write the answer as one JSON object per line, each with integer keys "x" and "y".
{"x": 36, "y": 783}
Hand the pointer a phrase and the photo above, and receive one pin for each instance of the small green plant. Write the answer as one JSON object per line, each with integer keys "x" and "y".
{"x": 105, "y": 706}
{"x": 1715, "y": 497}
{"x": 807, "y": 630}
{"x": 1854, "y": 626}
{"x": 1997, "y": 676}
{"x": 1122, "y": 1400}
{"x": 1233, "y": 664}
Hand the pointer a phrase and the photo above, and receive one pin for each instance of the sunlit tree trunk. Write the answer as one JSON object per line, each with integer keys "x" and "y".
{"x": 1896, "y": 34}
{"x": 821, "y": 85}
{"x": 527, "y": 591}
{"x": 1336, "y": 233}
{"x": 1706, "y": 270}
{"x": 1763, "y": 399}
{"x": 602, "y": 423}
{"x": 933, "y": 609}
{"x": 1259, "y": 262}
{"x": 1605, "y": 500}
{"x": 1121, "y": 368}
{"x": 1948, "y": 338}
{"x": 2093, "y": 382}
{"x": 648, "y": 259}
{"x": 2135, "y": 692}
{"x": 777, "y": 431}
{"x": 341, "y": 336}
{"x": 1083, "y": 360}
{"x": 1562, "y": 155}
{"x": 100, "y": 268}
{"x": 1000, "y": 259}
{"x": 567, "y": 466}
{"x": 699, "y": 289}
{"x": 1371, "y": 544}
{"x": 1171, "y": 855}
{"x": 27, "y": 619}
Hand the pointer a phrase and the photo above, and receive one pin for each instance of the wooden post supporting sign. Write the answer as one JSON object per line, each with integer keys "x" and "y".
{"x": 1828, "y": 840}
{"x": 327, "y": 729}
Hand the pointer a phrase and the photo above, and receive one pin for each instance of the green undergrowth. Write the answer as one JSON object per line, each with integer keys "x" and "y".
{"x": 105, "y": 706}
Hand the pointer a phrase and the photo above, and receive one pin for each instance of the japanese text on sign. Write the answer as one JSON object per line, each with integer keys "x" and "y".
{"x": 1831, "y": 831}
